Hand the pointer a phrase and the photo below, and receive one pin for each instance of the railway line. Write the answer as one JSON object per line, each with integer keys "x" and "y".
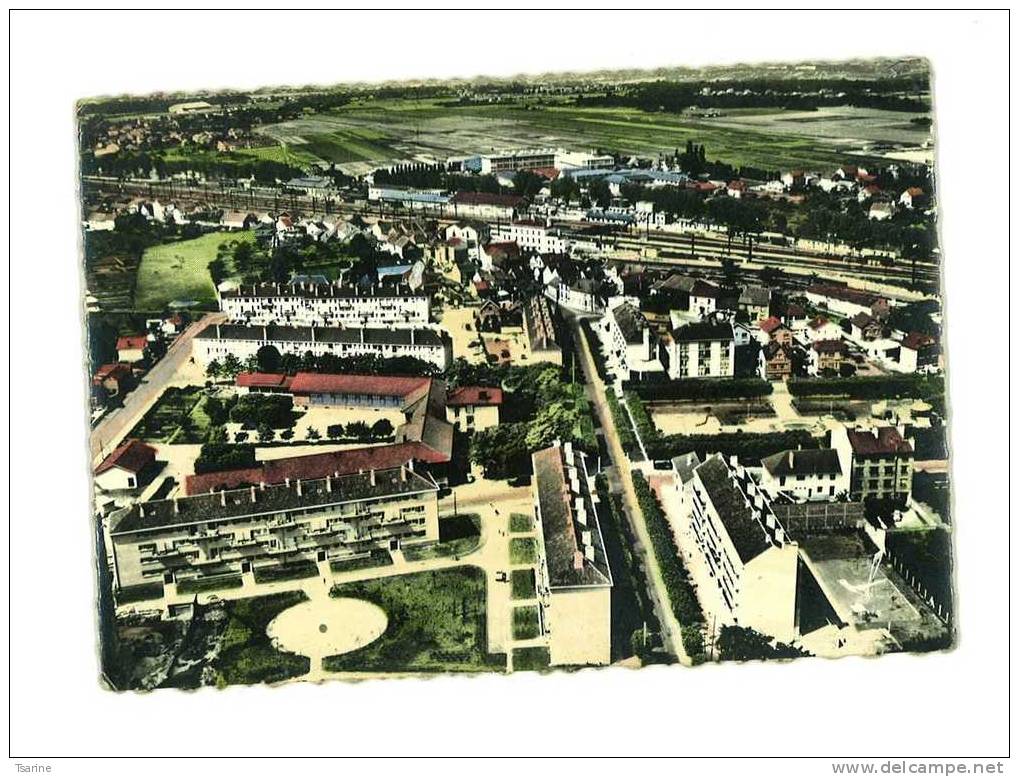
{"x": 654, "y": 248}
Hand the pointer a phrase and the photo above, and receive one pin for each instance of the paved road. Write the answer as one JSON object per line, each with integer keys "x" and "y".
{"x": 109, "y": 432}
{"x": 672, "y": 635}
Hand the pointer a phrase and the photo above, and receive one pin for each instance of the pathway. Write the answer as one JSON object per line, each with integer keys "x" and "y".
{"x": 671, "y": 631}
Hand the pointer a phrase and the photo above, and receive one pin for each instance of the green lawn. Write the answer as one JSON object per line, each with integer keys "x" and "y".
{"x": 379, "y": 558}
{"x": 523, "y": 550}
{"x": 520, "y": 523}
{"x": 522, "y": 583}
{"x": 458, "y": 536}
{"x": 530, "y": 659}
{"x": 295, "y": 571}
{"x": 352, "y": 144}
{"x": 180, "y": 271}
{"x": 200, "y": 585}
{"x": 437, "y": 623}
{"x": 246, "y": 656}
{"x": 525, "y": 622}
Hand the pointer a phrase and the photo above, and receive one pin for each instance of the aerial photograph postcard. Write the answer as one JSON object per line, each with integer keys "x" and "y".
{"x": 535, "y": 374}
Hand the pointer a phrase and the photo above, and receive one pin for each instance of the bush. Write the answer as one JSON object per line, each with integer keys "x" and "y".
{"x": 274, "y": 410}
{"x": 645, "y": 424}
{"x": 522, "y": 584}
{"x": 701, "y": 389}
{"x": 530, "y": 659}
{"x": 217, "y": 456}
{"x": 682, "y": 596}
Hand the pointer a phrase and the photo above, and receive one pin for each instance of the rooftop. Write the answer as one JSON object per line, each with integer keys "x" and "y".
{"x": 882, "y": 440}
{"x": 131, "y": 456}
{"x": 822, "y": 461}
{"x": 700, "y": 331}
{"x": 307, "y": 334}
{"x": 745, "y": 531}
{"x": 259, "y": 501}
{"x": 571, "y": 561}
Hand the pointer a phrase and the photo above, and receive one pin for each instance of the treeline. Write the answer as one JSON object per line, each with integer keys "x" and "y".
{"x": 700, "y": 389}
{"x": 750, "y": 447}
{"x": 870, "y": 387}
{"x": 140, "y": 164}
{"x": 438, "y": 176}
{"x": 682, "y": 595}
{"x": 900, "y": 94}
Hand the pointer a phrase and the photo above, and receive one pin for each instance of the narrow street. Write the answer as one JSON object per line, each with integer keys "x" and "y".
{"x": 109, "y": 432}
{"x": 671, "y": 631}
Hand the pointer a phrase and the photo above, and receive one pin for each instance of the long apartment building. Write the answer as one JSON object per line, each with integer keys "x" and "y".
{"x": 573, "y": 576}
{"x": 244, "y": 340}
{"x": 744, "y": 546}
{"x": 325, "y": 304}
{"x": 263, "y": 526}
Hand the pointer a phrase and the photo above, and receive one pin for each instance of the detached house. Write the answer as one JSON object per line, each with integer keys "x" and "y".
{"x": 775, "y": 361}
{"x": 123, "y": 469}
{"x": 826, "y": 355}
{"x": 131, "y": 349}
{"x": 864, "y": 326}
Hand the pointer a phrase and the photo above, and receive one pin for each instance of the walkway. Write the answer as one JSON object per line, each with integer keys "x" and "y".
{"x": 671, "y": 631}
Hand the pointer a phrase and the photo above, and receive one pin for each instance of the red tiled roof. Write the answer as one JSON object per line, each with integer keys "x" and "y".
{"x": 917, "y": 340}
{"x": 263, "y": 380}
{"x": 885, "y": 439}
{"x": 770, "y": 324}
{"x": 549, "y": 173}
{"x": 792, "y": 310}
{"x": 132, "y": 342}
{"x": 829, "y": 346}
{"x": 314, "y": 466}
{"x": 378, "y": 385}
{"x": 474, "y": 395}
{"x": 116, "y": 370}
{"x": 131, "y": 455}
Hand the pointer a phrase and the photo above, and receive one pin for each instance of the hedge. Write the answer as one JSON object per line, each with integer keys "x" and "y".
{"x": 870, "y": 387}
{"x": 701, "y": 389}
{"x": 682, "y": 596}
{"x": 750, "y": 447}
{"x": 641, "y": 418}
{"x": 620, "y": 420}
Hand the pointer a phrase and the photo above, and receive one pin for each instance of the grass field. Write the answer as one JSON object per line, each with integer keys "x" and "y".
{"x": 520, "y": 523}
{"x": 522, "y": 584}
{"x": 458, "y": 536}
{"x": 176, "y": 417}
{"x": 523, "y": 550}
{"x": 437, "y": 623}
{"x": 180, "y": 271}
{"x": 525, "y": 622}
{"x": 768, "y": 138}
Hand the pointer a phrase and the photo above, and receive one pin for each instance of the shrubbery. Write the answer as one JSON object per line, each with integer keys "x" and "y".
{"x": 701, "y": 389}
{"x": 620, "y": 420}
{"x": 682, "y": 596}
{"x": 217, "y": 457}
{"x": 870, "y": 387}
{"x": 750, "y": 447}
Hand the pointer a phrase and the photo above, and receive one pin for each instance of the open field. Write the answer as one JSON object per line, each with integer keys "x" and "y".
{"x": 180, "y": 271}
{"x": 388, "y": 130}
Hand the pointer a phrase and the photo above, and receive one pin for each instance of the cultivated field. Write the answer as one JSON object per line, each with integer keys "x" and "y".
{"x": 390, "y": 130}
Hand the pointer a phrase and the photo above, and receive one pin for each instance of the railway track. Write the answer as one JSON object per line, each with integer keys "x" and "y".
{"x": 673, "y": 250}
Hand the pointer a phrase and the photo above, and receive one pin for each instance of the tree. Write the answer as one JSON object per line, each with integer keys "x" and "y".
{"x": 312, "y": 433}
{"x": 359, "y": 430}
{"x": 266, "y": 433}
{"x": 553, "y": 422}
{"x": 382, "y": 428}
{"x": 501, "y": 450}
{"x": 214, "y": 369}
{"x": 230, "y": 367}
{"x": 243, "y": 255}
{"x": 268, "y": 357}
{"x": 736, "y": 643}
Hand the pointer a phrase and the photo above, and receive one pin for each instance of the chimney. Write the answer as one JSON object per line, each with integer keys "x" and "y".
{"x": 176, "y": 507}
{"x": 253, "y": 497}
{"x": 288, "y": 482}
{"x": 329, "y": 484}
{"x": 578, "y": 559}
{"x": 371, "y": 476}
{"x": 790, "y": 458}
{"x": 217, "y": 331}
{"x": 261, "y": 485}
{"x": 222, "y": 498}
{"x": 300, "y": 491}
{"x": 412, "y": 336}
{"x": 141, "y": 511}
